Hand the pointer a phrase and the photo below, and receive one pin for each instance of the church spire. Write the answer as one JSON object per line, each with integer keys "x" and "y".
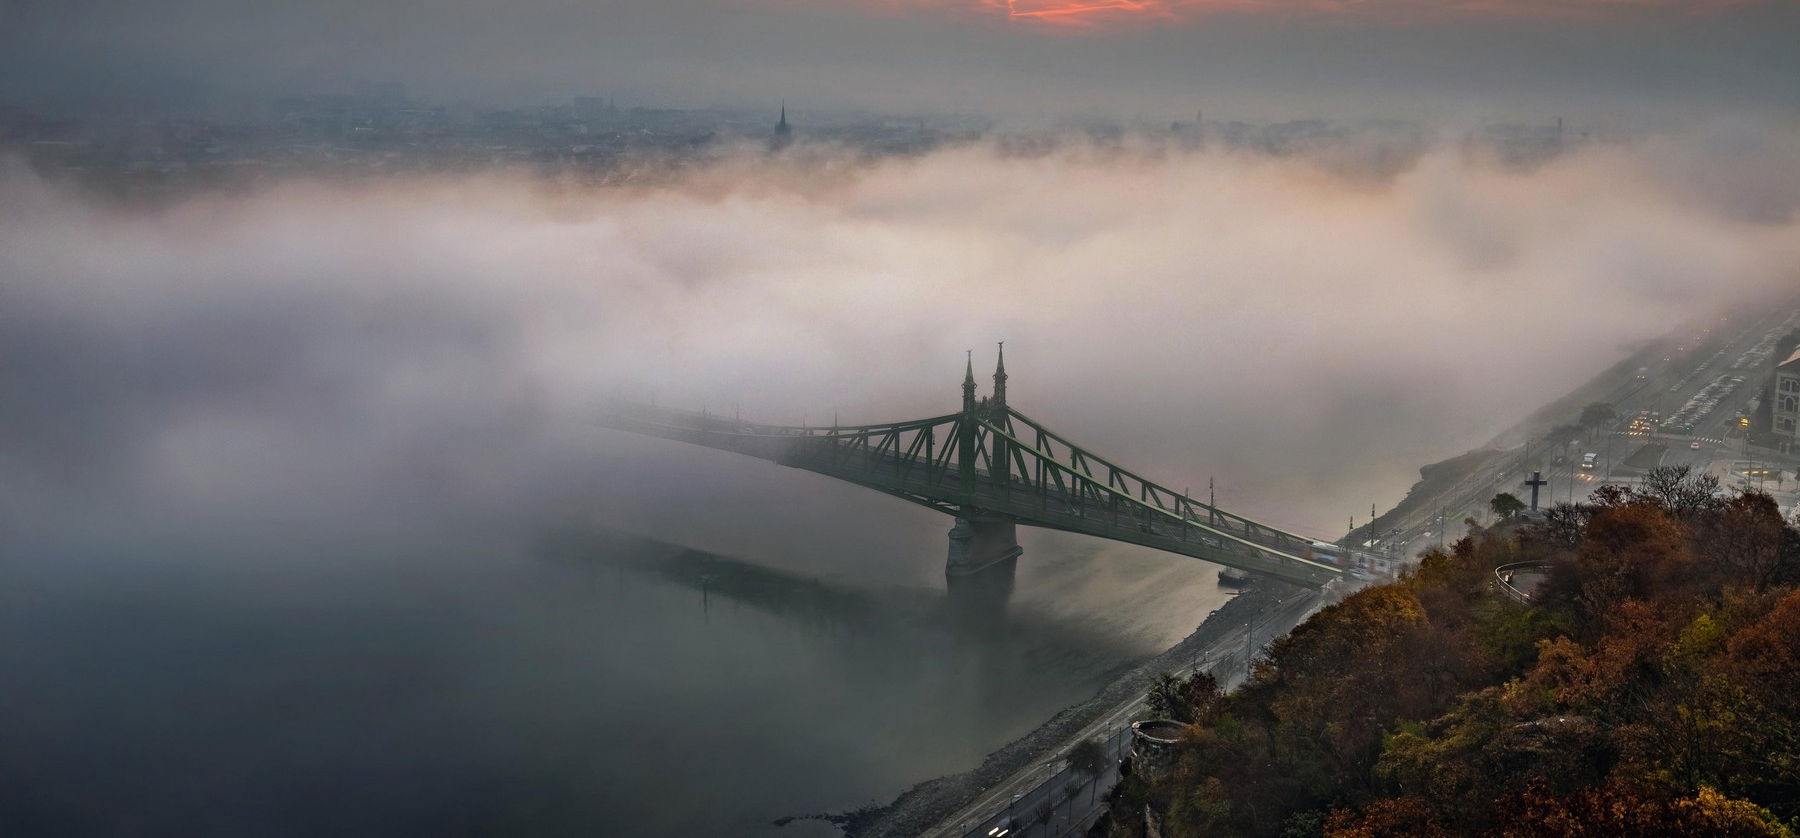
{"x": 784, "y": 134}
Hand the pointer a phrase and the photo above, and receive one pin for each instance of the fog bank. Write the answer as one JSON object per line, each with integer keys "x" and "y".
{"x": 293, "y": 354}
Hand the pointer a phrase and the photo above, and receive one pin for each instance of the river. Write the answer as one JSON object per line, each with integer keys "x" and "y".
{"x": 581, "y": 674}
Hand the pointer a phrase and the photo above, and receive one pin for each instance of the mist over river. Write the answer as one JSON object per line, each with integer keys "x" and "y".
{"x": 306, "y": 527}
{"x": 533, "y": 677}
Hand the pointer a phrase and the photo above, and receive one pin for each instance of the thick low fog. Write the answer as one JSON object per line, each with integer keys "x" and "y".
{"x": 277, "y": 466}
{"x": 1307, "y": 338}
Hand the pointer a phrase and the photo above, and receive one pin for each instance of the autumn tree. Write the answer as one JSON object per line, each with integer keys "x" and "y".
{"x": 1191, "y": 699}
{"x": 1749, "y": 541}
{"x": 1759, "y": 688}
{"x": 1088, "y": 758}
{"x": 1625, "y": 550}
{"x": 1164, "y": 697}
{"x": 1623, "y": 811}
{"x": 1408, "y": 816}
{"x": 1506, "y": 505}
{"x": 1679, "y": 491}
{"x": 1650, "y": 687}
{"x": 1562, "y": 436}
{"x": 1596, "y": 416}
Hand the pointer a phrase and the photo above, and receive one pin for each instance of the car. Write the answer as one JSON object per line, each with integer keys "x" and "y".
{"x": 1694, "y": 445}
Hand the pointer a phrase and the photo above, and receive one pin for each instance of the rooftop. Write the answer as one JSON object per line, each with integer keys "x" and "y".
{"x": 1792, "y": 360}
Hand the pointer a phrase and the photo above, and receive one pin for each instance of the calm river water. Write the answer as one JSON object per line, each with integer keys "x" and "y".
{"x": 427, "y": 677}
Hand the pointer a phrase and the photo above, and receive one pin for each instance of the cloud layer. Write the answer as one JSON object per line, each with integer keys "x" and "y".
{"x": 1307, "y": 338}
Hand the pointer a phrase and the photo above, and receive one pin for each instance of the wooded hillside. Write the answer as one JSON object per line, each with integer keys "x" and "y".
{"x": 1651, "y": 688}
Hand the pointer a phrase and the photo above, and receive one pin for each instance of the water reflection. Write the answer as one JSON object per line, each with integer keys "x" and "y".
{"x": 585, "y": 682}
{"x": 919, "y": 684}
{"x": 978, "y": 601}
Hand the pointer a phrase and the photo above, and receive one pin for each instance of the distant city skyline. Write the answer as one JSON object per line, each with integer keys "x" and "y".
{"x": 1253, "y": 59}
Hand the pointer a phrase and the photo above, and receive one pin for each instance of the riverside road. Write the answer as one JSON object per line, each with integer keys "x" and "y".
{"x": 1016, "y": 802}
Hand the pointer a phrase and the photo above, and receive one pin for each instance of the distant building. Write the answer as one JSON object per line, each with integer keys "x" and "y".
{"x": 784, "y": 135}
{"x": 1784, "y": 392}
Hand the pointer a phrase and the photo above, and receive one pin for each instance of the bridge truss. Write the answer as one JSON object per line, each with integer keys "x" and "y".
{"x": 992, "y": 462}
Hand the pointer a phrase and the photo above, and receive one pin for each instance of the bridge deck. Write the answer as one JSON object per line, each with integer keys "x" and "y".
{"x": 1041, "y": 509}
{"x": 1072, "y": 502}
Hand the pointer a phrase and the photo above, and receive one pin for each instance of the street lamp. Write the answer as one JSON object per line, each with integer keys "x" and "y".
{"x": 1609, "y": 440}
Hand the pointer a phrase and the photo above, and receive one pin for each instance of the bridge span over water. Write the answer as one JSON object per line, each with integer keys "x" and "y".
{"x": 994, "y": 468}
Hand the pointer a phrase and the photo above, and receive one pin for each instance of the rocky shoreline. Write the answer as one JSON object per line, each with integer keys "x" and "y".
{"x": 926, "y": 804}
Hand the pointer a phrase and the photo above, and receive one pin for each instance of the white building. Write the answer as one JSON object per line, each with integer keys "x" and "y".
{"x": 1785, "y": 393}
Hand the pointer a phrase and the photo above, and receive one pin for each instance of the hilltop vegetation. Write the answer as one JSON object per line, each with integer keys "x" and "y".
{"x": 1652, "y": 688}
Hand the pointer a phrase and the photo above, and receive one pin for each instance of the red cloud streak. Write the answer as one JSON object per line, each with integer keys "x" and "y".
{"x": 1093, "y": 13}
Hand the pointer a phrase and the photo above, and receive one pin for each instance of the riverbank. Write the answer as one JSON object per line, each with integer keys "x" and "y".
{"x": 927, "y": 804}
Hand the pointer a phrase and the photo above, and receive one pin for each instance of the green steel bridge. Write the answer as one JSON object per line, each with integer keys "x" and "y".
{"x": 994, "y": 468}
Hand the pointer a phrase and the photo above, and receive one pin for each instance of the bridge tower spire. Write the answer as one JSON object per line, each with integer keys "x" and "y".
{"x": 969, "y": 384}
{"x": 1000, "y": 469}
{"x": 984, "y": 547}
{"x": 1000, "y": 385}
{"x": 965, "y": 429}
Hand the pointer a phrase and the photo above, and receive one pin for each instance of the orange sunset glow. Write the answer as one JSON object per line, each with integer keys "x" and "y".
{"x": 1095, "y": 13}
{"x": 1083, "y": 11}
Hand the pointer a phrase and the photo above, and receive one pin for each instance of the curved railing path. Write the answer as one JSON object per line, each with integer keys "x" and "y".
{"x": 1508, "y": 576}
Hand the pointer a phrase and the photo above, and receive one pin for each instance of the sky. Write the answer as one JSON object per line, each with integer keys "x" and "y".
{"x": 318, "y": 390}
{"x": 1641, "y": 60}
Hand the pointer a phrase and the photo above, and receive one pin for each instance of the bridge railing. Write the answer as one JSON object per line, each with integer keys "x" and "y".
{"x": 1503, "y": 579}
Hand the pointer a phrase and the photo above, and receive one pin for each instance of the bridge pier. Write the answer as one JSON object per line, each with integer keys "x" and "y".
{"x": 986, "y": 546}
{"x": 979, "y": 571}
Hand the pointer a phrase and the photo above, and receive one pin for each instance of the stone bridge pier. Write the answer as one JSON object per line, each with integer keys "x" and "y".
{"x": 978, "y": 545}
{"x": 978, "y": 573}
{"x": 981, "y": 549}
